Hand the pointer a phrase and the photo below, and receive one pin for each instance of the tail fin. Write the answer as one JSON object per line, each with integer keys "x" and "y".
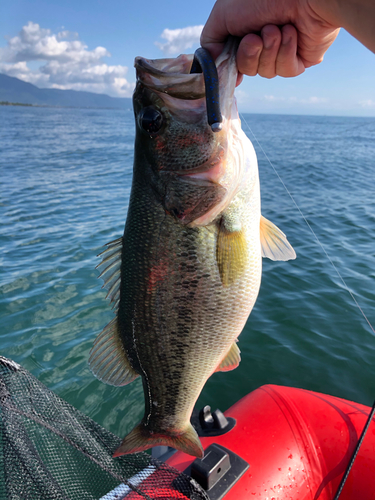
{"x": 140, "y": 438}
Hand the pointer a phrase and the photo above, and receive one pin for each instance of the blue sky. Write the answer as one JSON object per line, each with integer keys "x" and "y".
{"x": 91, "y": 45}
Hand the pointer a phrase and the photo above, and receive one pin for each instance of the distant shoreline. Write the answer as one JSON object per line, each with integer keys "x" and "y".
{"x": 7, "y": 103}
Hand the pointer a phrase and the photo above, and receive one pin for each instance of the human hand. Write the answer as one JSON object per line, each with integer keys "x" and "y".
{"x": 279, "y": 37}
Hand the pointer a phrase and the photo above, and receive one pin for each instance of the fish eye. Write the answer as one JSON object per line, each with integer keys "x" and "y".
{"x": 151, "y": 120}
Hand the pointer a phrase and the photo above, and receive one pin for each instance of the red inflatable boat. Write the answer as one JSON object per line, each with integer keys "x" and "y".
{"x": 296, "y": 445}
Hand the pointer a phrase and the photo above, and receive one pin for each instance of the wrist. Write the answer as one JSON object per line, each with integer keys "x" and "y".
{"x": 329, "y": 11}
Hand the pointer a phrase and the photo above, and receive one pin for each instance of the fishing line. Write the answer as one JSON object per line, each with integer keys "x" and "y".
{"x": 372, "y": 412}
{"x": 309, "y": 226}
{"x": 355, "y": 453}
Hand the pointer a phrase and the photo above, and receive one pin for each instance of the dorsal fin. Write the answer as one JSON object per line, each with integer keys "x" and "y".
{"x": 108, "y": 360}
{"x": 274, "y": 243}
{"x": 110, "y": 267}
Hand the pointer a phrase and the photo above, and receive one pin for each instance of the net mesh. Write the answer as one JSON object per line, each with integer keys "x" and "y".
{"x": 49, "y": 450}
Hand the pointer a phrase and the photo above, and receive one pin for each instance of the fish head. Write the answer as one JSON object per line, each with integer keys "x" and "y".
{"x": 195, "y": 171}
{"x": 170, "y": 110}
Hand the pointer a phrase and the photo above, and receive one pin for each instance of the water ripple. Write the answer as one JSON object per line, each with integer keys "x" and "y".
{"x": 65, "y": 180}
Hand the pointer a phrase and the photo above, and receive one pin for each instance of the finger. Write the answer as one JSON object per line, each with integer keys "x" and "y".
{"x": 215, "y": 49}
{"x": 239, "y": 79}
{"x": 271, "y": 36}
{"x": 248, "y": 54}
{"x": 215, "y": 32}
{"x": 288, "y": 63}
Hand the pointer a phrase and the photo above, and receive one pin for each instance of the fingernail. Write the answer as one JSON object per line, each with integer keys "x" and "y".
{"x": 268, "y": 42}
{"x": 253, "y": 50}
{"x": 286, "y": 39}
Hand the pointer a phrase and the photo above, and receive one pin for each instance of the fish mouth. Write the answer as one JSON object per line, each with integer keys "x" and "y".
{"x": 194, "y": 78}
{"x": 170, "y": 76}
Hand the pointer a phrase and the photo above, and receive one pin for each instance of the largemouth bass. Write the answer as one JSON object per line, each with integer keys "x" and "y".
{"x": 186, "y": 273}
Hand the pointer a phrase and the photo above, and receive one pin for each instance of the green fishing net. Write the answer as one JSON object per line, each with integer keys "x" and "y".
{"x": 49, "y": 450}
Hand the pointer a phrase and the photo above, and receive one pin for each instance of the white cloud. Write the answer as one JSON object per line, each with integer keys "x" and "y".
{"x": 316, "y": 100}
{"x": 369, "y": 103}
{"x": 66, "y": 62}
{"x": 308, "y": 100}
{"x": 273, "y": 98}
{"x": 178, "y": 40}
{"x": 72, "y": 35}
{"x": 241, "y": 96}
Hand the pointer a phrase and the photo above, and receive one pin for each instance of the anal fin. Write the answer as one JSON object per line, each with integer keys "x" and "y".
{"x": 108, "y": 360}
{"x": 231, "y": 360}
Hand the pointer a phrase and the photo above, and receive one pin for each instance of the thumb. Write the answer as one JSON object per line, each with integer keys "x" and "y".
{"x": 215, "y": 32}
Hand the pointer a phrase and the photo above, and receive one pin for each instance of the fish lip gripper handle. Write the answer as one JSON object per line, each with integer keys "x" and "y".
{"x": 204, "y": 63}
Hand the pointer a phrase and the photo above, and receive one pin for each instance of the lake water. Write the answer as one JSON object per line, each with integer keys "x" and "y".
{"x": 65, "y": 177}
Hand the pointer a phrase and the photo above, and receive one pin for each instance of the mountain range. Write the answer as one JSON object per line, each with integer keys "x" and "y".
{"x": 14, "y": 90}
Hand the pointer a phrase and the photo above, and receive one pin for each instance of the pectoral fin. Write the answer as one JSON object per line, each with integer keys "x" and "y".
{"x": 231, "y": 360}
{"x": 231, "y": 253}
{"x": 274, "y": 243}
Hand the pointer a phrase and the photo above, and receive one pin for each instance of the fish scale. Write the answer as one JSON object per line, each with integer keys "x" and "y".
{"x": 189, "y": 271}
